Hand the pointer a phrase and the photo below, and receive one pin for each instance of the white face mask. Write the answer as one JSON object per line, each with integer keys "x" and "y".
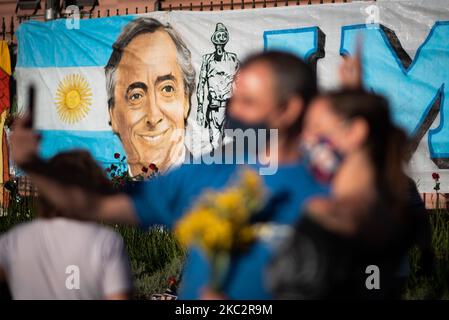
{"x": 322, "y": 158}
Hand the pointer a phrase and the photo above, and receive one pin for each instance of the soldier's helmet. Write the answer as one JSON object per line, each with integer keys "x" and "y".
{"x": 221, "y": 35}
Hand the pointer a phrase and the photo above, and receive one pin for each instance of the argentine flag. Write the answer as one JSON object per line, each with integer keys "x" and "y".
{"x": 67, "y": 68}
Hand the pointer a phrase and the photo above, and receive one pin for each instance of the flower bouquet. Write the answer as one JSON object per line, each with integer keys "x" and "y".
{"x": 220, "y": 225}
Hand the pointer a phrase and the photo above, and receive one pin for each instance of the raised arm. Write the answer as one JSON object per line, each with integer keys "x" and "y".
{"x": 74, "y": 201}
{"x": 350, "y": 71}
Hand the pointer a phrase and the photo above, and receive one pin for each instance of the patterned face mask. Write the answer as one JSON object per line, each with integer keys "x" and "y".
{"x": 322, "y": 159}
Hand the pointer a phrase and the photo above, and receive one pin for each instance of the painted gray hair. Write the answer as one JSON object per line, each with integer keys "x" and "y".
{"x": 141, "y": 26}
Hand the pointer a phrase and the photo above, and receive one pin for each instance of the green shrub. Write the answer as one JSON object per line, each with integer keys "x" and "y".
{"x": 155, "y": 255}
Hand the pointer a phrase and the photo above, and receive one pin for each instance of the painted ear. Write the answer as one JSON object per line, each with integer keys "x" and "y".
{"x": 186, "y": 107}
{"x": 112, "y": 120}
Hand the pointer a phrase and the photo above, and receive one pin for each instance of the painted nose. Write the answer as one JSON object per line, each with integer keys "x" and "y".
{"x": 153, "y": 113}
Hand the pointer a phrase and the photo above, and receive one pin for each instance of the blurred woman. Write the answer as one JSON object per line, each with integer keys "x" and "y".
{"x": 351, "y": 244}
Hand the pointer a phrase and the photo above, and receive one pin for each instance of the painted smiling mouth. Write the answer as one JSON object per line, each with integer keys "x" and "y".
{"x": 153, "y": 137}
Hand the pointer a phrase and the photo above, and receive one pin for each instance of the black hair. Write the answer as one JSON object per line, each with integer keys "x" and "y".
{"x": 81, "y": 169}
{"x": 293, "y": 78}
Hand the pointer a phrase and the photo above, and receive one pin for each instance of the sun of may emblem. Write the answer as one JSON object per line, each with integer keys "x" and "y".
{"x": 73, "y": 98}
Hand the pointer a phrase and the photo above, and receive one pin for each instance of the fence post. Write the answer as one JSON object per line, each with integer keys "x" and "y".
{"x": 157, "y": 6}
{"x": 3, "y": 28}
{"x": 11, "y": 28}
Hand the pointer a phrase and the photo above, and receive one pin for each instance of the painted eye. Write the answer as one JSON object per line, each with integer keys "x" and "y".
{"x": 135, "y": 97}
{"x": 168, "y": 89}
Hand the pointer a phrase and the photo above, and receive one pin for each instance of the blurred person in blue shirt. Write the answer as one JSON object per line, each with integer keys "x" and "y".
{"x": 271, "y": 91}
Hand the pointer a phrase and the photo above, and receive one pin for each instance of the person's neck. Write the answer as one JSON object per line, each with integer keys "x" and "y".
{"x": 355, "y": 177}
{"x": 286, "y": 151}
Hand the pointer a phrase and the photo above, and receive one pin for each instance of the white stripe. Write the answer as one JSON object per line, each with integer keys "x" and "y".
{"x": 47, "y": 81}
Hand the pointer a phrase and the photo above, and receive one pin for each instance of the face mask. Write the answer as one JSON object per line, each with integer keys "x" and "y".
{"x": 322, "y": 159}
{"x": 262, "y": 138}
{"x": 234, "y": 123}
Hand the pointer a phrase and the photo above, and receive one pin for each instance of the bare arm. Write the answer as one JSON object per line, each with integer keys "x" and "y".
{"x": 78, "y": 203}
{"x": 117, "y": 209}
{"x": 73, "y": 201}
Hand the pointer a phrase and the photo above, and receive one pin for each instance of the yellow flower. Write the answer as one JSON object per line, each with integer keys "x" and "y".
{"x": 218, "y": 236}
{"x": 231, "y": 204}
{"x": 251, "y": 180}
{"x": 220, "y": 220}
{"x": 252, "y": 185}
{"x": 205, "y": 228}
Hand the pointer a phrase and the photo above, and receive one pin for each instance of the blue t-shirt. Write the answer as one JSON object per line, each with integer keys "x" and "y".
{"x": 165, "y": 199}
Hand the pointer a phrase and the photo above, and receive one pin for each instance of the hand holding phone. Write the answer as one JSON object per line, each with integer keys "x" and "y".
{"x": 31, "y": 106}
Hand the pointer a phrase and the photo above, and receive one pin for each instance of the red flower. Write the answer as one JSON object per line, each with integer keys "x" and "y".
{"x": 144, "y": 169}
{"x": 172, "y": 281}
{"x": 435, "y": 176}
{"x": 116, "y": 155}
{"x": 153, "y": 167}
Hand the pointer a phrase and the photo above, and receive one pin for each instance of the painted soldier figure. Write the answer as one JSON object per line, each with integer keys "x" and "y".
{"x": 217, "y": 73}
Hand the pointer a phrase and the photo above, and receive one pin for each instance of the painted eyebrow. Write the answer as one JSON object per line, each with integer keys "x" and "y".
{"x": 165, "y": 78}
{"x": 137, "y": 85}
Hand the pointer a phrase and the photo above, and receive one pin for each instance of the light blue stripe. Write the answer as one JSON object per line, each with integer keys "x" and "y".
{"x": 52, "y": 44}
{"x": 101, "y": 144}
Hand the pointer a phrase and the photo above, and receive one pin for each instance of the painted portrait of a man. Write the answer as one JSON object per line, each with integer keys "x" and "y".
{"x": 150, "y": 80}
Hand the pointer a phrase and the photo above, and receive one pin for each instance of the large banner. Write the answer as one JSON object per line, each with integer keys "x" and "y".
{"x": 130, "y": 84}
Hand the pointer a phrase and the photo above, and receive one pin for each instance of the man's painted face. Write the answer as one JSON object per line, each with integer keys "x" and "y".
{"x": 150, "y": 102}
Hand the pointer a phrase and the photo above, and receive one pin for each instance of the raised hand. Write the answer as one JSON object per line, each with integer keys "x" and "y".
{"x": 350, "y": 70}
